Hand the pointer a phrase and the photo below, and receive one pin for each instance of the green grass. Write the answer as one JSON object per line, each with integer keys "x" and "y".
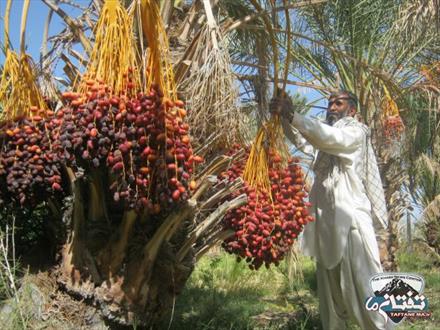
{"x": 224, "y": 294}
{"x": 420, "y": 263}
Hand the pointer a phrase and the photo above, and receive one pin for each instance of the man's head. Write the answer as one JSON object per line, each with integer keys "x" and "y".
{"x": 340, "y": 104}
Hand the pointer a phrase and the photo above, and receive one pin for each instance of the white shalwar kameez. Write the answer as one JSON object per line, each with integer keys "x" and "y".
{"x": 342, "y": 238}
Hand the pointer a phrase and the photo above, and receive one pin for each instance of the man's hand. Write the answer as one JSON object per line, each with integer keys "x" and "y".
{"x": 283, "y": 106}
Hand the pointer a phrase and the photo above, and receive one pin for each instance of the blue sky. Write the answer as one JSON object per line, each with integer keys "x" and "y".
{"x": 36, "y": 20}
{"x": 38, "y": 12}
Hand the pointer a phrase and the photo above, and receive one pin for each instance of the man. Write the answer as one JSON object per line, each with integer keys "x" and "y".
{"x": 346, "y": 195}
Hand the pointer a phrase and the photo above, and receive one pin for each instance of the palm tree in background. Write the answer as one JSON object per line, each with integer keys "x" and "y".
{"x": 374, "y": 49}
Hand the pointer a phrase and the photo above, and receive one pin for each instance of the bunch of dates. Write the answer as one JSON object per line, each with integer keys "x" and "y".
{"x": 267, "y": 226}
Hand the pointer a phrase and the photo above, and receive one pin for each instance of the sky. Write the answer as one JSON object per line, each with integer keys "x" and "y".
{"x": 37, "y": 15}
{"x": 36, "y": 20}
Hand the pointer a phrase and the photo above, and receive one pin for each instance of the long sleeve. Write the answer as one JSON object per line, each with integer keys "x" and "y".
{"x": 297, "y": 139}
{"x": 337, "y": 141}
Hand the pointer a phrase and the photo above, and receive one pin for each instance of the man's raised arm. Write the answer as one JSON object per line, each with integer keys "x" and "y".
{"x": 337, "y": 141}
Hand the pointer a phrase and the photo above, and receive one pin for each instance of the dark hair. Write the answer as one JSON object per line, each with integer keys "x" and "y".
{"x": 351, "y": 98}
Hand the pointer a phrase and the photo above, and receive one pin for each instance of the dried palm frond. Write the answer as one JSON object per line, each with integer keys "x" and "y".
{"x": 57, "y": 49}
{"x": 418, "y": 15}
{"x": 212, "y": 96}
{"x": 73, "y": 25}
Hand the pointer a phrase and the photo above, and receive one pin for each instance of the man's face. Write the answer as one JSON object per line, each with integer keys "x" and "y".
{"x": 338, "y": 107}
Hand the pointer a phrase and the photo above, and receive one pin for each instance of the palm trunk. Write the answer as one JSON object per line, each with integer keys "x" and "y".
{"x": 393, "y": 177}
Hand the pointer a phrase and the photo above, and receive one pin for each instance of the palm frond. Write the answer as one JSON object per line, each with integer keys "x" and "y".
{"x": 74, "y": 26}
{"x": 428, "y": 179}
